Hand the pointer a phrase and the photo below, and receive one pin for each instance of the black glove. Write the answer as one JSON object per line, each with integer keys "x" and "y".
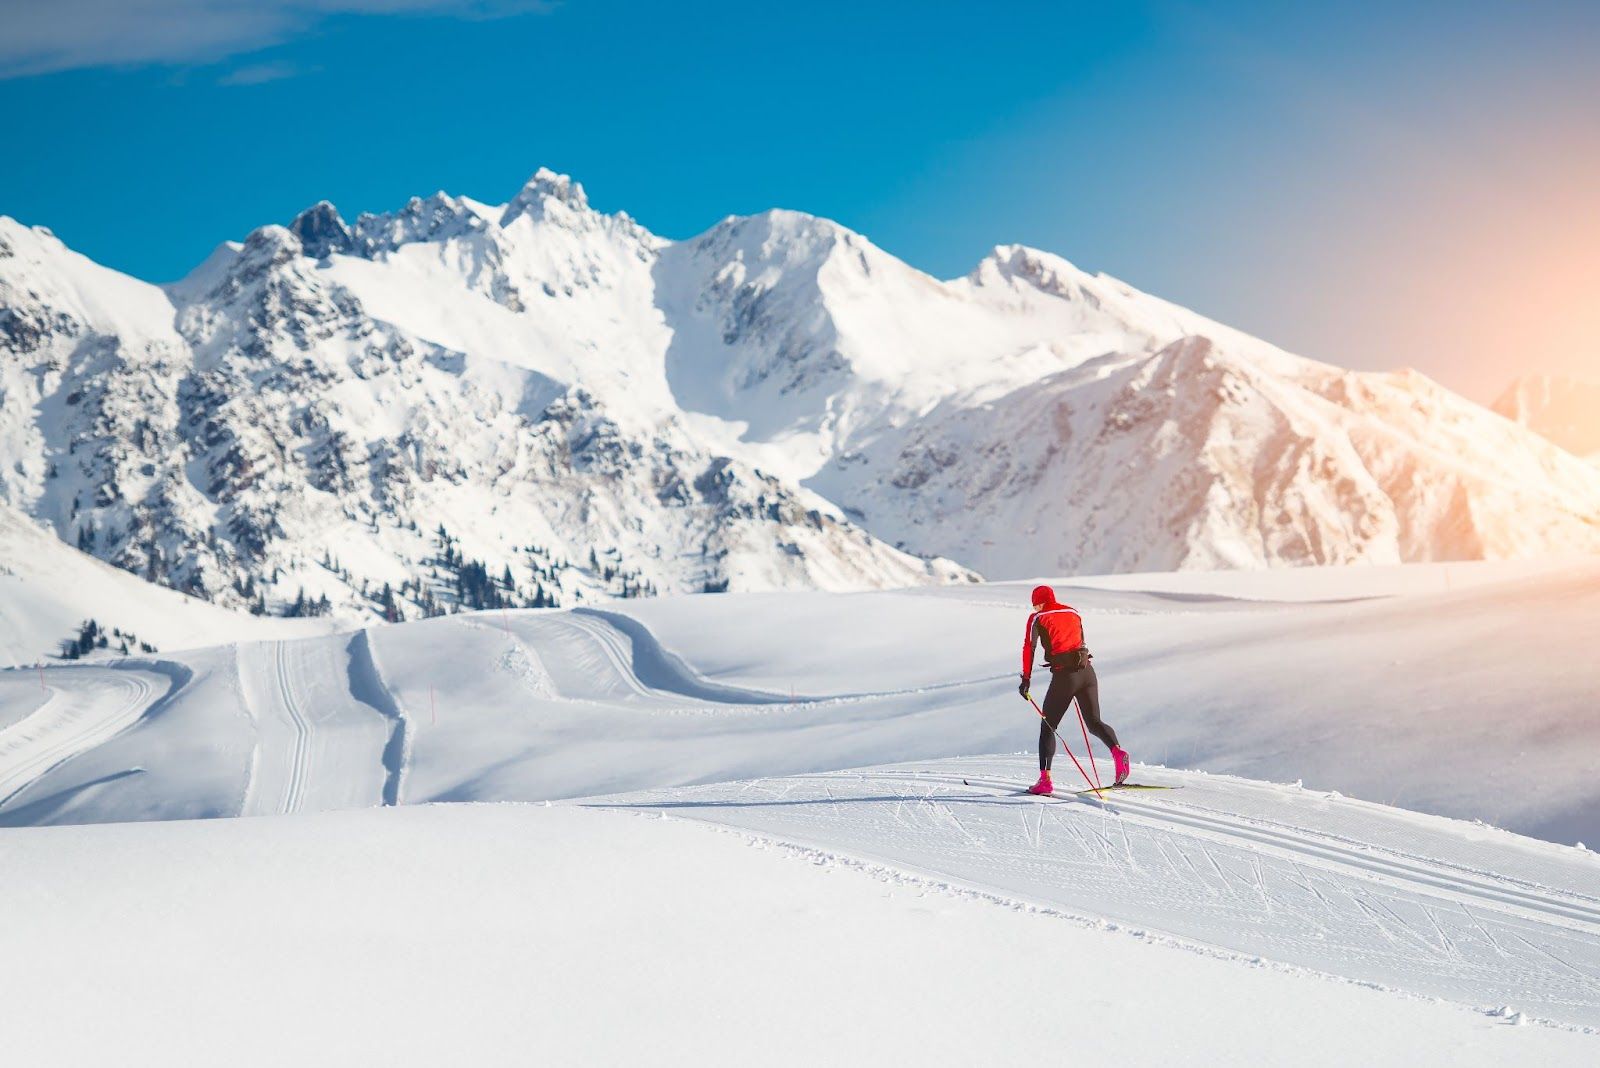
{"x": 1022, "y": 687}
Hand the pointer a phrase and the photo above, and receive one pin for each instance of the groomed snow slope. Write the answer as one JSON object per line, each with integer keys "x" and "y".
{"x": 1198, "y": 925}
{"x": 1309, "y": 879}
{"x": 1445, "y": 700}
{"x": 510, "y": 935}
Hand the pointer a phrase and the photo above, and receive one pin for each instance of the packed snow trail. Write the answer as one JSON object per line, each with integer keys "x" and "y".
{"x": 596, "y": 655}
{"x": 1417, "y": 903}
{"x": 87, "y": 707}
{"x": 536, "y": 705}
{"x": 317, "y": 745}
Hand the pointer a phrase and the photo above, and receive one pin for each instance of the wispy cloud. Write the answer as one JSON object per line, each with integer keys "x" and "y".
{"x": 259, "y": 73}
{"x": 41, "y": 38}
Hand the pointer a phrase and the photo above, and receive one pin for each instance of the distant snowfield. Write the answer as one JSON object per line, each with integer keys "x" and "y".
{"x": 902, "y": 898}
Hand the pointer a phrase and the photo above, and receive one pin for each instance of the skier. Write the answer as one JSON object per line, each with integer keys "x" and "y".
{"x": 1059, "y": 630}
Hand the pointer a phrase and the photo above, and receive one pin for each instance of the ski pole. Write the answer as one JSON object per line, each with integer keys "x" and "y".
{"x": 1065, "y": 746}
{"x": 1087, "y": 748}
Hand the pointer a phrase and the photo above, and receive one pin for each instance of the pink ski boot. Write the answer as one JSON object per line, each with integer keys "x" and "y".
{"x": 1044, "y": 786}
{"x": 1119, "y": 757}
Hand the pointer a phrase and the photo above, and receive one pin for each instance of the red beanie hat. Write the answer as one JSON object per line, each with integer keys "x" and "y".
{"x": 1043, "y": 595}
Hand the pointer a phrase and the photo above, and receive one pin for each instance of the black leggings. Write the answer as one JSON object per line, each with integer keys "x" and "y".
{"x": 1064, "y": 686}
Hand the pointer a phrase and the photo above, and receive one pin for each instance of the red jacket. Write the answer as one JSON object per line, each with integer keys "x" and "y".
{"x": 1059, "y": 627}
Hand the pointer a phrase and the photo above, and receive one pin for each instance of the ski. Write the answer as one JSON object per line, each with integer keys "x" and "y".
{"x": 1025, "y": 792}
{"x": 1126, "y": 786}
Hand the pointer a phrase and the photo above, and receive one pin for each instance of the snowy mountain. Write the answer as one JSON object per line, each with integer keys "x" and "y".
{"x": 1564, "y": 410}
{"x": 1204, "y": 455}
{"x": 535, "y": 403}
{"x": 256, "y": 437}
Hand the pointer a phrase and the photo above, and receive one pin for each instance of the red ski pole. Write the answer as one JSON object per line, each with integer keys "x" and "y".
{"x": 1091, "y": 785}
{"x": 1087, "y": 748}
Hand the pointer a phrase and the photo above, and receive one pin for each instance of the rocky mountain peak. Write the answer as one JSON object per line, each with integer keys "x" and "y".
{"x": 544, "y": 188}
{"x": 434, "y": 218}
{"x": 321, "y": 231}
{"x": 1043, "y": 270}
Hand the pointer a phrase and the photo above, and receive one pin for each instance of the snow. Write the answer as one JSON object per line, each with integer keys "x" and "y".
{"x": 48, "y": 590}
{"x": 103, "y": 299}
{"x": 775, "y": 813}
{"x": 1397, "y": 900}
{"x": 1207, "y": 455}
{"x": 302, "y": 699}
{"x": 504, "y": 934}
{"x": 310, "y": 423}
{"x": 96, "y": 705}
{"x": 1444, "y": 700}
{"x": 1336, "y": 583}
{"x": 1565, "y": 410}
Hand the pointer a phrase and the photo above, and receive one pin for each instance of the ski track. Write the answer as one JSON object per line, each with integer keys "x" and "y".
{"x": 613, "y": 648}
{"x": 300, "y": 754}
{"x": 1294, "y": 844}
{"x": 1294, "y": 889}
{"x": 85, "y": 707}
{"x": 589, "y": 657}
{"x": 318, "y": 746}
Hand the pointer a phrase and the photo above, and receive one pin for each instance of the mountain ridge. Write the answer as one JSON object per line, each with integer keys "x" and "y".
{"x": 562, "y": 401}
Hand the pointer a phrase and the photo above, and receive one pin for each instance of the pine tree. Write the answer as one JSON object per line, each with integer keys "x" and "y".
{"x": 391, "y": 610}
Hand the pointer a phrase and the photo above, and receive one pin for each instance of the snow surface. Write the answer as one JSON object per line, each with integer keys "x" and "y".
{"x": 1399, "y": 900}
{"x": 1444, "y": 700}
{"x": 511, "y": 934}
{"x": 880, "y": 887}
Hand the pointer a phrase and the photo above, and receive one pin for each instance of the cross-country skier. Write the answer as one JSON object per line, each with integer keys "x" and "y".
{"x": 1059, "y": 630}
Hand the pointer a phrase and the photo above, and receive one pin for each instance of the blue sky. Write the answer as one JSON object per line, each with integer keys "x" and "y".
{"x": 1376, "y": 185}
